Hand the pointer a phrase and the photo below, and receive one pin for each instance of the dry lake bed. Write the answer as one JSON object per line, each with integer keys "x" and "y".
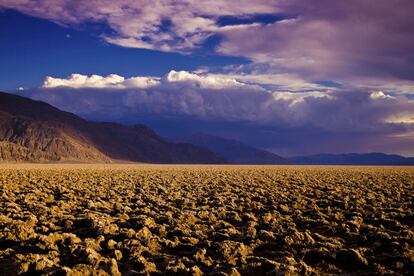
{"x": 195, "y": 220}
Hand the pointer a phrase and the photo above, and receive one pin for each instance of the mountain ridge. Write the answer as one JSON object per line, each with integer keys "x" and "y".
{"x": 233, "y": 151}
{"x": 373, "y": 158}
{"x": 34, "y": 131}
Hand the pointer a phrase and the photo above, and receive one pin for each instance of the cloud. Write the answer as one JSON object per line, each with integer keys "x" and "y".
{"x": 208, "y": 81}
{"x": 346, "y": 41}
{"x": 95, "y": 81}
{"x": 380, "y": 95}
{"x": 159, "y": 24}
{"x": 182, "y": 93}
{"x": 114, "y": 81}
{"x": 276, "y": 81}
{"x": 338, "y": 69}
{"x": 289, "y": 122}
{"x": 353, "y": 41}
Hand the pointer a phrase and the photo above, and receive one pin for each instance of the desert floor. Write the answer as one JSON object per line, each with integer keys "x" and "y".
{"x": 144, "y": 219}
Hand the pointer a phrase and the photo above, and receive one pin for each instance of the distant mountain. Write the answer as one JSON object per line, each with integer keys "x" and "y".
{"x": 233, "y": 151}
{"x": 353, "y": 159}
{"x": 34, "y": 131}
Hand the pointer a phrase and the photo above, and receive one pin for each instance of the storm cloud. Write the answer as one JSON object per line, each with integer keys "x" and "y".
{"x": 185, "y": 95}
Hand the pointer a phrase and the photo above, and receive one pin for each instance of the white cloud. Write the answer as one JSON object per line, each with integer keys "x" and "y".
{"x": 275, "y": 81}
{"x": 405, "y": 118}
{"x": 299, "y": 97}
{"x": 95, "y": 81}
{"x": 208, "y": 81}
{"x": 386, "y": 85}
{"x": 141, "y": 82}
{"x": 114, "y": 81}
{"x": 142, "y": 24}
{"x": 380, "y": 95}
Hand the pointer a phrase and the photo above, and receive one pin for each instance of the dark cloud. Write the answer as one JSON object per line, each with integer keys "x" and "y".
{"x": 295, "y": 121}
{"x": 338, "y": 40}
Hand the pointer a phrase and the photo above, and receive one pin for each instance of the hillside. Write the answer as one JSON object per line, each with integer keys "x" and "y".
{"x": 233, "y": 151}
{"x": 34, "y": 131}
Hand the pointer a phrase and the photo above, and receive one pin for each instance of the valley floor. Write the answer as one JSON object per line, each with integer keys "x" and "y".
{"x": 141, "y": 219}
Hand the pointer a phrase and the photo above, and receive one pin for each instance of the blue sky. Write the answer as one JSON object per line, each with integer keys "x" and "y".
{"x": 33, "y": 48}
{"x": 293, "y": 77}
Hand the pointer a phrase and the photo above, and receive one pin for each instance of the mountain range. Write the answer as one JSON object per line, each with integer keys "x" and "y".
{"x": 233, "y": 151}
{"x": 236, "y": 152}
{"x": 374, "y": 158}
{"x": 35, "y": 131}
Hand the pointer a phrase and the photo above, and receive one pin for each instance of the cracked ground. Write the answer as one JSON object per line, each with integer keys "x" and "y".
{"x": 195, "y": 220}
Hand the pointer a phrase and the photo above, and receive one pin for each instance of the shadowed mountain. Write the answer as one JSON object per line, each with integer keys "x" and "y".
{"x": 233, "y": 151}
{"x": 34, "y": 131}
{"x": 353, "y": 159}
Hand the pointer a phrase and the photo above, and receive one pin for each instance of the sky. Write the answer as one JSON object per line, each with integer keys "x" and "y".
{"x": 294, "y": 77}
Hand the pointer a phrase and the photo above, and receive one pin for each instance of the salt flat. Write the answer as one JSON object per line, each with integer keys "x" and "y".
{"x": 140, "y": 219}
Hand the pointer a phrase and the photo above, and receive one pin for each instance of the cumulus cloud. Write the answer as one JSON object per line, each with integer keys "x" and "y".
{"x": 114, "y": 81}
{"x": 208, "y": 81}
{"x": 380, "y": 95}
{"x": 95, "y": 81}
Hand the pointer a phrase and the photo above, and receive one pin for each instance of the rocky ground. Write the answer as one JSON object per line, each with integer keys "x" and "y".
{"x": 226, "y": 220}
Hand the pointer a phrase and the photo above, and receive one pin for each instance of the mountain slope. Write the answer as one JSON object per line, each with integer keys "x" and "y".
{"x": 38, "y": 132}
{"x": 233, "y": 151}
{"x": 24, "y": 139}
{"x": 353, "y": 159}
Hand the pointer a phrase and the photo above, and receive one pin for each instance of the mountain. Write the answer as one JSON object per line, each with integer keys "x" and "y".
{"x": 353, "y": 159}
{"x": 35, "y": 131}
{"x": 233, "y": 151}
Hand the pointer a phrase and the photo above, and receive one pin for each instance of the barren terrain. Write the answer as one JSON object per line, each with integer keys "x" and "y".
{"x": 144, "y": 219}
